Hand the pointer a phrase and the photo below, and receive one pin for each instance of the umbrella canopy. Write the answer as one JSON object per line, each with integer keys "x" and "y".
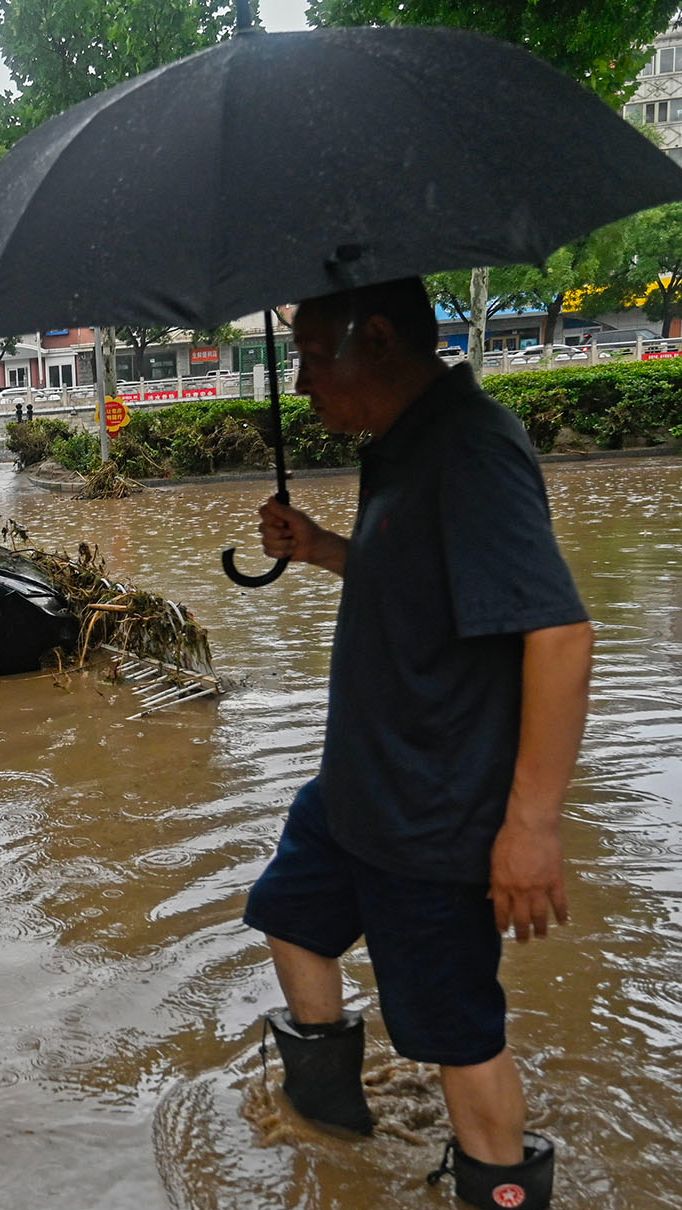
{"x": 279, "y": 166}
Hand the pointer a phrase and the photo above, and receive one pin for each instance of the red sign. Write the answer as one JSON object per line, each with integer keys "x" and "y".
{"x": 668, "y": 353}
{"x": 204, "y": 354}
{"x": 187, "y": 393}
{"x": 198, "y": 392}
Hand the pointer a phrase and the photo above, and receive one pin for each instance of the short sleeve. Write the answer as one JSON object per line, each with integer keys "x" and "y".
{"x": 504, "y": 567}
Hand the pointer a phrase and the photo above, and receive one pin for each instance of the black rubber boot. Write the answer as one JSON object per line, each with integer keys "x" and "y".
{"x": 322, "y": 1069}
{"x": 490, "y": 1186}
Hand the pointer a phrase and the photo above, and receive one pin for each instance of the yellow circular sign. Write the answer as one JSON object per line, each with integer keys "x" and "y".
{"x": 116, "y": 412}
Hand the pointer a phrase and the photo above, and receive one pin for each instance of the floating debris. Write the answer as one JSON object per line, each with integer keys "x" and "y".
{"x": 106, "y": 483}
{"x": 157, "y": 644}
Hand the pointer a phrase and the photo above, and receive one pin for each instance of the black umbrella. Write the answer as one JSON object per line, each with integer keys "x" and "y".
{"x": 280, "y": 166}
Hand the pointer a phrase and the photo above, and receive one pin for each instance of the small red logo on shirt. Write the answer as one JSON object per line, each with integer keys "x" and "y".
{"x": 509, "y": 1195}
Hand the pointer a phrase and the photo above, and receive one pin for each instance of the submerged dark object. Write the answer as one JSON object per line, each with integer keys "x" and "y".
{"x": 34, "y": 616}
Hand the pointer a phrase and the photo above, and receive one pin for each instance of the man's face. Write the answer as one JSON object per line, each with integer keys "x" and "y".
{"x": 332, "y": 371}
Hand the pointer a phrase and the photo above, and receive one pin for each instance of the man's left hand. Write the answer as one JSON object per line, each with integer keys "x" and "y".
{"x": 526, "y": 880}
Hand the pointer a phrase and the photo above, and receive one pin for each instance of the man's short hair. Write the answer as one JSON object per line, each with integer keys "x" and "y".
{"x": 403, "y": 302}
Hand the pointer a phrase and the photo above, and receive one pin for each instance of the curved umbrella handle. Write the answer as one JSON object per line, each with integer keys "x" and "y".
{"x": 251, "y": 581}
{"x": 282, "y": 494}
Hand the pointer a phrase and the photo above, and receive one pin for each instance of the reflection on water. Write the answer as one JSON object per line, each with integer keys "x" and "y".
{"x": 130, "y": 991}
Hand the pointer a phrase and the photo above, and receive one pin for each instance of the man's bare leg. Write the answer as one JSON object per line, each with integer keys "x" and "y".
{"x": 487, "y": 1109}
{"x": 311, "y": 984}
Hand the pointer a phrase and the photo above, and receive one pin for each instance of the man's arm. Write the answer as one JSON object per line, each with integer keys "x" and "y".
{"x": 289, "y": 533}
{"x": 527, "y": 861}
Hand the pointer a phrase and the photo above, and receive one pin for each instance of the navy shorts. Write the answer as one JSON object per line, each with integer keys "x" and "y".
{"x": 433, "y": 945}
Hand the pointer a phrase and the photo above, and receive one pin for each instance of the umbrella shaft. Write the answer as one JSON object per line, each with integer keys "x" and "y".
{"x": 282, "y": 493}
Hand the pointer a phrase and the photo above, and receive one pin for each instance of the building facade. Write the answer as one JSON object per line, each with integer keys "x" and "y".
{"x": 658, "y": 99}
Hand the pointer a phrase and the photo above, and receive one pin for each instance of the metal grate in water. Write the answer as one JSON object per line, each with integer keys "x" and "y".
{"x": 159, "y": 686}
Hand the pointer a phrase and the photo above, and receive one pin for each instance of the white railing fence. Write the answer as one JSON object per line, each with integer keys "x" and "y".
{"x": 509, "y": 361}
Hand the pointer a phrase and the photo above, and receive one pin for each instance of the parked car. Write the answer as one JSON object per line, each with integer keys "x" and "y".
{"x": 621, "y": 336}
{"x": 451, "y": 355}
{"x": 558, "y": 353}
{"x": 622, "y": 342}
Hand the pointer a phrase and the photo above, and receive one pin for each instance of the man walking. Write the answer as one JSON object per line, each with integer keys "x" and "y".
{"x": 457, "y": 701}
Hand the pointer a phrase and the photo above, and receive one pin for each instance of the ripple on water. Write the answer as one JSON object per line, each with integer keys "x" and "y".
{"x": 223, "y": 1146}
{"x": 164, "y": 859}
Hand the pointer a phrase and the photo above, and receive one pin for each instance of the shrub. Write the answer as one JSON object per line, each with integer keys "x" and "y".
{"x": 139, "y": 458}
{"x": 216, "y": 442}
{"x": 32, "y": 440}
{"x": 309, "y": 443}
{"x": 78, "y": 452}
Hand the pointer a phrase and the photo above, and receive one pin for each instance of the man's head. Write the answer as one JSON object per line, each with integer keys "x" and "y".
{"x": 365, "y": 352}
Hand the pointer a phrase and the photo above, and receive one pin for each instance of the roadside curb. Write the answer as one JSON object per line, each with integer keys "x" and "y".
{"x": 647, "y": 451}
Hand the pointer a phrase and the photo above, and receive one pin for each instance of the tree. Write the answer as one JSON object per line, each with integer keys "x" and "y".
{"x": 603, "y": 47}
{"x": 224, "y": 334}
{"x": 62, "y": 51}
{"x": 648, "y": 266}
{"x": 8, "y": 344}
{"x": 451, "y": 290}
{"x": 140, "y": 338}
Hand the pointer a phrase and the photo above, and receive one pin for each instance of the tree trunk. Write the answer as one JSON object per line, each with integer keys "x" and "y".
{"x": 553, "y": 313}
{"x": 667, "y": 316}
{"x": 109, "y": 354}
{"x": 479, "y": 305}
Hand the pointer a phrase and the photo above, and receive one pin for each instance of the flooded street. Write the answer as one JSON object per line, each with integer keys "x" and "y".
{"x": 130, "y": 991}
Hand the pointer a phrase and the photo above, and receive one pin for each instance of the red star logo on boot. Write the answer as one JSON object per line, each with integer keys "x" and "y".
{"x": 509, "y": 1195}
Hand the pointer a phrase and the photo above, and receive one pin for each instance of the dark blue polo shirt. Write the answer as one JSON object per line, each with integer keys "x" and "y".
{"x": 452, "y": 559}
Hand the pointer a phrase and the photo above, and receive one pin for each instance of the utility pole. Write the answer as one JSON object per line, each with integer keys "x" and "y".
{"x": 101, "y": 396}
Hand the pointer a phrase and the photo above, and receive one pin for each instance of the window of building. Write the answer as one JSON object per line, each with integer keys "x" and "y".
{"x": 17, "y": 376}
{"x": 125, "y": 367}
{"x": 648, "y": 69}
{"x": 666, "y": 60}
{"x": 654, "y": 111}
{"x": 160, "y": 365}
{"x": 60, "y": 375}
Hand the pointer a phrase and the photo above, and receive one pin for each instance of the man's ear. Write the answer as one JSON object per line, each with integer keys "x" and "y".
{"x": 379, "y": 337}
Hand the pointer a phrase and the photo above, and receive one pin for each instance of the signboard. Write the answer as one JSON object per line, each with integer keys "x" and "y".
{"x": 207, "y": 353}
{"x": 667, "y": 353}
{"x": 187, "y": 393}
{"x": 116, "y": 412}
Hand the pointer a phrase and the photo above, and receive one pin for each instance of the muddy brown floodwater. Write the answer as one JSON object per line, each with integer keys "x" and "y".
{"x": 130, "y": 991}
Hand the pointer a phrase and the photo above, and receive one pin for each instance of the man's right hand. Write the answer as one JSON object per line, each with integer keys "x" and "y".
{"x": 287, "y": 532}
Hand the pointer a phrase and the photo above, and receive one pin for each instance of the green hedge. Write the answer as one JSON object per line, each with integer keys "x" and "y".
{"x": 204, "y": 435}
{"x": 605, "y": 403}
{"x": 195, "y": 438}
